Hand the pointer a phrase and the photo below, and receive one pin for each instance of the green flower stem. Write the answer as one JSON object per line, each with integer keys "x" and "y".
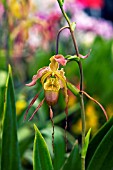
{"x": 72, "y": 33}
{"x": 83, "y": 129}
{"x": 81, "y": 82}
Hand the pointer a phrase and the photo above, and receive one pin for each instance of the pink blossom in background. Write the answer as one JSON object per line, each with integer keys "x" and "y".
{"x": 87, "y": 23}
{"x": 100, "y": 26}
{"x": 95, "y": 4}
{"x": 44, "y": 33}
{"x": 1, "y": 10}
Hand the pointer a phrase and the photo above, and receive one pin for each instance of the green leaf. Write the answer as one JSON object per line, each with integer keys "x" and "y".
{"x": 102, "y": 158}
{"x": 96, "y": 140}
{"x": 59, "y": 145}
{"x": 41, "y": 156}
{"x": 85, "y": 147}
{"x": 10, "y": 158}
{"x": 73, "y": 162}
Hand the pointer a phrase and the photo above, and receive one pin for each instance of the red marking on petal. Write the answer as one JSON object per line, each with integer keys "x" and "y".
{"x": 60, "y": 59}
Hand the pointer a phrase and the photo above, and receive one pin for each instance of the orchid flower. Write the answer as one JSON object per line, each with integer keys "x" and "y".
{"x": 52, "y": 79}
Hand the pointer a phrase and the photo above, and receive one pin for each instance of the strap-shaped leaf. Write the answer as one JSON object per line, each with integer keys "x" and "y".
{"x": 74, "y": 161}
{"x": 59, "y": 145}
{"x": 96, "y": 140}
{"x": 41, "y": 156}
{"x": 10, "y": 151}
{"x": 102, "y": 158}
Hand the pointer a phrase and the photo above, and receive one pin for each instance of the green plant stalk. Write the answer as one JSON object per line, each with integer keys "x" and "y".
{"x": 83, "y": 129}
{"x": 81, "y": 83}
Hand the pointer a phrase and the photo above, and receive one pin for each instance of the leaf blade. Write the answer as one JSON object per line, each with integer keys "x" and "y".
{"x": 101, "y": 157}
{"x": 10, "y": 157}
{"x": 97, "y": 139}
{"x": 74, "y": 161}
{"x": 41, "y": 156}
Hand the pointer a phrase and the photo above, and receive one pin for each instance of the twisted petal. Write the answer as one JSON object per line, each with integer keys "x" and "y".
{"x": 39, "y": 74}
{"x": 45, "y": 76}
{"x": 60, "y": 59}
{"x": 84, "y": 56}
{"x": 62, "y": 80}
{"x": 31, "y": 103}
{"x": 38, "y": 107}
{"x": 61, "y": 73}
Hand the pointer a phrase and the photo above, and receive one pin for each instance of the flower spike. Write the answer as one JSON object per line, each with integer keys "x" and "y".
{"x": 53, "y": 79}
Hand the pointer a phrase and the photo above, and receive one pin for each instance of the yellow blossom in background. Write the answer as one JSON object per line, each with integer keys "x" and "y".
{"x": 20, "y": 106}
{"x": 77, "y": 127}
{"x": 20, "y": 9}
{"x": 109, "y": 110}
{"x": 72, "y": 99}
{"x": 91, "y": 120}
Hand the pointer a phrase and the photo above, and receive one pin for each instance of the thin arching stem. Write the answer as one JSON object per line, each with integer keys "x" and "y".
{"x": 91, "y": 98}
{"x": 58, "y": 35}
{"x": 81, "y": 82}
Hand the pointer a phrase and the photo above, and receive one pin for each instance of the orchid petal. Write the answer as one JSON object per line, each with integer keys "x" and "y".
{"x": 39, "y": 74}
{"x": 54, "y": 64}
{"x": 40, "y": 104}
{"x": 46, "y": 75}
{"x": 31, "y": 103}
{"x": 60, "y": 59}
{"x": 84, "y": 56}
{"x": 31, "y": 83}
{"x": 61, "y": 78}
{"x": 61, "y": 73}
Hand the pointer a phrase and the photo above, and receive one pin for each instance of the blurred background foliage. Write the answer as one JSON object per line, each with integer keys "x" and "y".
{"x": 28, "y": 31}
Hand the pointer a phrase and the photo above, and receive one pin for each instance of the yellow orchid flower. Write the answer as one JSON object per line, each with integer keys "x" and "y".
{"x": 52, "y": 80}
